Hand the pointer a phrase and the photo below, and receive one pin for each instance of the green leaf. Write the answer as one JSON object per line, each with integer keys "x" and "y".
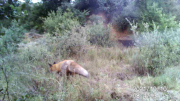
{"x": 12, "y": 6}
{"x": 23, "y": 6}
{"x": 1, "y": 34}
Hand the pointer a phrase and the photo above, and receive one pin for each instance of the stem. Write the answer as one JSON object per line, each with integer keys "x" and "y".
{"x": 7, "y": 84}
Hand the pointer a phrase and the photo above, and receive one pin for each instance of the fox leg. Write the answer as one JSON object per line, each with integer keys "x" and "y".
{"x": 64, "y": 70}
{"x": 71, "y": 73}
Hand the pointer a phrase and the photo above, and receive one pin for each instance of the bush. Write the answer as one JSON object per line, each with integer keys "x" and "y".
{"x": 72, "y": 43}
{"x": 154, "y": 15}
{"x": 95, "y": 19}
{"x": 13, "y": 35}
{"x": 27, "y": 73}
{"x": 145, "y": 11}
{"x": 81, "y": 15}
{"x": 99, "y": 34}
{"x": 32, "y": 20}
{"x": 170, "y": 7}
{"x": 170, "y": 78}
{"x": 156, "y": 51}
{"x": 59, "y": 23}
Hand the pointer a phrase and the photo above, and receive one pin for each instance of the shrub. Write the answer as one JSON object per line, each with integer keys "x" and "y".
{"x": 34, "y": 14}
{"x": 169, "y": 7}
{"x": 170, "y": 78}
{"x": 145, "y": 11}
{"x": 13, "y": 35}
{"x": 154, "y": 15}
{"x": 81, "y": 15}
{"x": 95, "y": 19}
{"x": 72, "y": 43}
{"x": 155, "y": 51}
{"x": 99, "y": 34}
{"x": 27, "y": 73}
{"x": 58, "y": 23}
{"x": 32, "y": 18}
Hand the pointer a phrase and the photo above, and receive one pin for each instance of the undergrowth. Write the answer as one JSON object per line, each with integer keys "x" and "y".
{"x": 155, "y": 55}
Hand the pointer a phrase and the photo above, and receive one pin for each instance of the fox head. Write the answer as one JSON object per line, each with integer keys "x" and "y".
{"x": 52, "y": 67}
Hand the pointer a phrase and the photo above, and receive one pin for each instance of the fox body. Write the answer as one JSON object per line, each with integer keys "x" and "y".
{"x": 69, "y": 67}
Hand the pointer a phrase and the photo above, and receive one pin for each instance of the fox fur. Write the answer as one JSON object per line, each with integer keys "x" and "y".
{"x": 69, "y": 67}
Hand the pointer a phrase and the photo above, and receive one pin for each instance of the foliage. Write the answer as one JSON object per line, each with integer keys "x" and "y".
{"x": 72, "y": 43}
{"x": 59, "y": 23}
{"x": 115, "y": 11}
{"x": 169, "y": 78}
{"x": 156, "y": 51}
{"x": 52, "y": 5}
{"x": 24, "y": 83}
{"x": 13, "y": 35}
{"x": 130, "y": 11}
{"x": 99, "y": 34}
{"x": 81, "y": 15}
{"x": 110, "y": 8}
{"x": 29, "y": 14}
{"x": 141, "y": 11}
{"x": 11, "y": 10}
{"x": 32, "y": 20}
{"x": 154, "y": 15}
{"x": 95, "y": 19}
{"x": 4, "y": 23}
{"x": 7, "y": 9}
{"x": 169, "y": 7}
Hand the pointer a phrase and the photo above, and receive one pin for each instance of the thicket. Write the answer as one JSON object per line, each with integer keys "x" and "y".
{"x": 98, "y": 33}
{"x": 30, "y": 14}
{"x": 12, "y": 36}
{"x": 154, "y": 15}
{"x": 155, "y": 50}
{"x": 33, "y": 17}
{"x": 11, "y": 10}
{"x": 59, "y": 23}
{"x": 70, "y": 44}
{"x": 164, "y": 13}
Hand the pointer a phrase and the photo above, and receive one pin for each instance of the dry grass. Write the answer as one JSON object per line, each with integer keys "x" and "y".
{"x": 110, "y": 78}
{"x": 107, "y": 72}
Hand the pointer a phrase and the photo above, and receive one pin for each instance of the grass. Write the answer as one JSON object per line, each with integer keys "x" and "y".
{"x": 30, "y": 78}
{"x": 109, "y": 77}
{"x": 113, "y": 74}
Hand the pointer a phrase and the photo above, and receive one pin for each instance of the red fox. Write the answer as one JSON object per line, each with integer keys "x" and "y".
{"x": 69, "y": 67}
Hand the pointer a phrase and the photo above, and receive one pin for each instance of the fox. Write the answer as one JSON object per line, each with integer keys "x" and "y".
{"x": 69, "y": 67}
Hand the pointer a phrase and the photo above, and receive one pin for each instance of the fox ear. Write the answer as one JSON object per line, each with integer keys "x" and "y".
{"x": 54, "y": 62}
{"x": 49, "y": 64}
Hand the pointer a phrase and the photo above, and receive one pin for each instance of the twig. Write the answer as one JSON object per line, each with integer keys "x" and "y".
{"x": 7, "y": 84}
{"x": 46, "y": 95}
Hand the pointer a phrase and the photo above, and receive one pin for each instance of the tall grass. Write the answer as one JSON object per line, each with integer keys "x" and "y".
{"x": 30, "y": 79}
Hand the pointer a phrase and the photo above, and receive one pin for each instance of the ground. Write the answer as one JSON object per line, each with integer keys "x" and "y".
{"x": 111, "y": 77}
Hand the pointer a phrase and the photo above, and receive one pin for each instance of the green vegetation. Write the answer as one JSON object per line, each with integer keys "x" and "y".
{"x": 98, "y": 34}
{"x": 82, "y": 31}
{"x": 155, "y": 50}
{"x": 13, "y": 36}
{"x": 155, "y": 16}
{"x": 59, "y": 23}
